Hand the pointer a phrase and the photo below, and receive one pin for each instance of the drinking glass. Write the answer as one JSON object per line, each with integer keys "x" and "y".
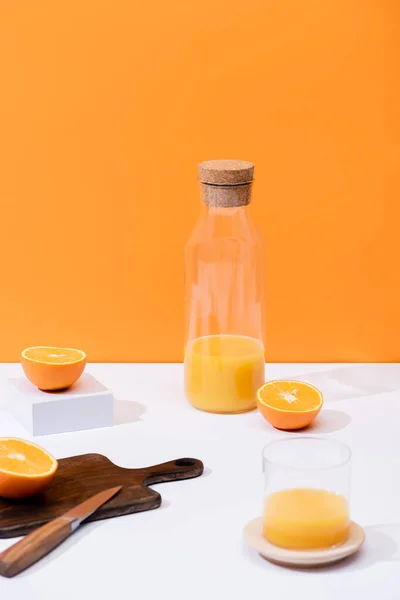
{"x": 306, "y": 501}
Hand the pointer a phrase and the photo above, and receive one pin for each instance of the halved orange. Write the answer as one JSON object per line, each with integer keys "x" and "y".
{"x": 51, "y": 368}
{"x": 25, "y": 468}
{"x": 289, "y": 404}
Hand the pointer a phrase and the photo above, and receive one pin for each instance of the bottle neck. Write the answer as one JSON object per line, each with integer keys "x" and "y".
{"x": 219, "y": 222}
{"x": 225, "y": 196}
{"x": 225, "y": 213}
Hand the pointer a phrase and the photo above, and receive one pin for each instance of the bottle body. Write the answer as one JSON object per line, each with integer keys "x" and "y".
{"x": 224, "y": 311}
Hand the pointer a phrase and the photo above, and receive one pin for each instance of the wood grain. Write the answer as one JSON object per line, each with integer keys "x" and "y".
{"x": 80, "y": 477}
{"x": 33, "y": 547}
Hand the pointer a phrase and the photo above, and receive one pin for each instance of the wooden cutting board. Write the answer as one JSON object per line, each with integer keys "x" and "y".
{"x": 79, "y": 478}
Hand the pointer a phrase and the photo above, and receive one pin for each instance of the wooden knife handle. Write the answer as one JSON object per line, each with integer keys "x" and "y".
{"x": 33, "y": 547}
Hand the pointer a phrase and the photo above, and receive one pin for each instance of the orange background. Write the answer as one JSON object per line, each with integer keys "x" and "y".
{"x": 106, "y": 107}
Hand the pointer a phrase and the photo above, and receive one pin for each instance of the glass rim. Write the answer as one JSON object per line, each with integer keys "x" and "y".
{"x": 337, "y": 464}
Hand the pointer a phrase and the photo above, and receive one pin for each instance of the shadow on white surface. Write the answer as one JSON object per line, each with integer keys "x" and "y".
{"x": 75, "y": 538}
{"x": 355, "y": 381}
{"x": 127, "y": 411}
{"x": 207, "y": 471}
{"x": 328, "y": 421}
{"x": 382, "y": 543}
{"x": 67, "y": 546}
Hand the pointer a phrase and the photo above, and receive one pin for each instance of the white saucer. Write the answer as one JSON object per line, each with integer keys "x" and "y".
{"x": 253, "y": 536}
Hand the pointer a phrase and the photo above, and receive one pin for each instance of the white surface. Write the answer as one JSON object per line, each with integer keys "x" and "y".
{"x": 254, "y": 538}
{"x": 88, "y": 404}
{"x": 192, "y": 548}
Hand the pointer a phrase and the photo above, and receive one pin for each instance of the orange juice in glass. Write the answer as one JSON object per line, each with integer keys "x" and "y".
{"x": 306, "y": 496}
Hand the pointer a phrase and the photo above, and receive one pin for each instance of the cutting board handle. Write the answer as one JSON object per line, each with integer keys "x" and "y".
{"x": 174, "y": 470}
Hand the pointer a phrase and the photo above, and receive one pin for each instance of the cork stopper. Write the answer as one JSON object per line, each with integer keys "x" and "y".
{"x": 226, "y": 183}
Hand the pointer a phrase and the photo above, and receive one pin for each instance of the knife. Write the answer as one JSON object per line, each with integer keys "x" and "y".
{"x": 40, "y": 542}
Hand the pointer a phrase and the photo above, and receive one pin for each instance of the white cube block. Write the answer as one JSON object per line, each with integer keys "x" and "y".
{"x": 87, "y": 404}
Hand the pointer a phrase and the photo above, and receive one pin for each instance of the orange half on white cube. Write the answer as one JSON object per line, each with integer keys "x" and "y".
{"x": 51, "y": 368}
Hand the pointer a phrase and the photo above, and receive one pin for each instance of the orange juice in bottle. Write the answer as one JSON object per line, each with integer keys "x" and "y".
{"x": 224, "y": 295}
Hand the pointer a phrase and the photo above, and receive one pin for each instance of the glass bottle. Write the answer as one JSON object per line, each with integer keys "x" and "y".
{"x": 224, "y": 294}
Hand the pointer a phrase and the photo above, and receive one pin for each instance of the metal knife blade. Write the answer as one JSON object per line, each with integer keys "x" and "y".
{"x": 82, "y": 511}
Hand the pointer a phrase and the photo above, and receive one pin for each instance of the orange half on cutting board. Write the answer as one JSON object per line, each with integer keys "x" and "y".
{"x": 51, "y": 368}
{"x": 25, "y": 468}
{"x": 289, "y": 404}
